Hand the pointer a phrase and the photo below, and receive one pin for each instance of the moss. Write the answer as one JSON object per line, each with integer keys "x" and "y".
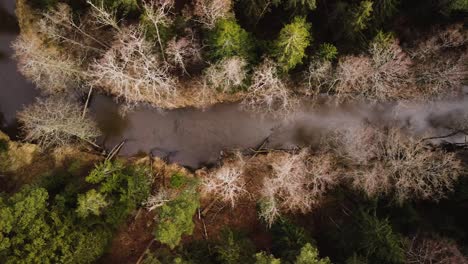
{"x": 177, "y": 180}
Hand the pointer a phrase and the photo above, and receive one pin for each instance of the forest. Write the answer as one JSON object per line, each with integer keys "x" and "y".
{"x": 359, "y": 153}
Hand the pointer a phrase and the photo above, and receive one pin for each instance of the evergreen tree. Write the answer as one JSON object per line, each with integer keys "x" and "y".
{"x": 309, "y": 255}
{"x": 175, "y": 218}
{"x": 228, "y": 39}
{"x": 292, "y": 42}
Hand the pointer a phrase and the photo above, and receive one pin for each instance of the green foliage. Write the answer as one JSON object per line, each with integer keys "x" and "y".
{"x": 361, "y": 15}
{"x": 378, "y": 241}
{"x": 384, "y": 9}
{"x": 126, "y": 186}
{"x": 4, "y": 163}
{"x": 3, "y": 145}
{"x": 151, "y": 32}
{"x": 33, "y": 231}
{"x": 288, "y": 239}
{"x": 177, "y": 180}
{"x": 175, "y": 218}
{"x": 382, "y": 40}
{"x": 309, "y": 255}
{"x": 228, "y": 39}
{"x": 92, "y": 203}
{"x": 327, "y": 52}
{"x": 451, "y": 6}
{"x": 234, "y": 248}
{"x": 292, "y": 42}
{"x": 264, "y": 258}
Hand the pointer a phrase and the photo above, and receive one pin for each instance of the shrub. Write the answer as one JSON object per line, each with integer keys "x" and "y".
{"x": 228, "y": 39}
{"x": 177, "y": 180}
{"x": 290, "y": 46}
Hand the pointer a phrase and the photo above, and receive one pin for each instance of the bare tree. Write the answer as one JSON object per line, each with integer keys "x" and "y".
{"x": 298, "y": 183}
{"x": 267, "y": 92}
{"x": 451, "y": 37}
{"x": 353, "y": 76}
{"x": 383, "y": 76}
{"x": 319, "y": 76}
{"x": 399, "y": 165}
{"x": 423, "y": 250}
{"x": 130, "y": 70}
{"x": 102, "y": 16}
{"x": 56, "y": 121}
{"x": 227, "y": 74}
{"x": 59, "y": 25}
{"x": 158, "y": 13}
{"x": 443, "y": 76}
{"x": 227, "y": 182}
{"x": 184, "y": 51}
{"x": 210, "y": 11}
{"x": 157, "y": 200}
{"x": 48, "y": 68}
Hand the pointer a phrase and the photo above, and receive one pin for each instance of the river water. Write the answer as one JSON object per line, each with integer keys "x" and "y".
{"x": 194, "y": 137}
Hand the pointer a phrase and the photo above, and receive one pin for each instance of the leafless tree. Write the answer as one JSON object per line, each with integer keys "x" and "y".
{"x": 384, "y": 75}
{"x": 158, "y": 13}
{"x": 130, "y": 70}
{"x": 157, "y": 200}
{"x": 423, "y": 250}
{"x": 227, "y": 74}
{"x": 319, "y": 76}
{"x": 399, "y": 165}
{"x": 298, "y": 183}
{"x": 56, "y": 121}
{"x": 104, "y": 17}
{"x": 184, "y": 51}
{"x": 443, "y": 76}
{"x": 451, "y": 37}
{"x": 227, "y": 182}
{"x": 208, "y": 12}
{"x": 59, "y": 25}
{"x": 48, "y": 68}
{"x": 268, "y": 92}
{"x": 352, "y": 76}
{"x": 392, "y": 74}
